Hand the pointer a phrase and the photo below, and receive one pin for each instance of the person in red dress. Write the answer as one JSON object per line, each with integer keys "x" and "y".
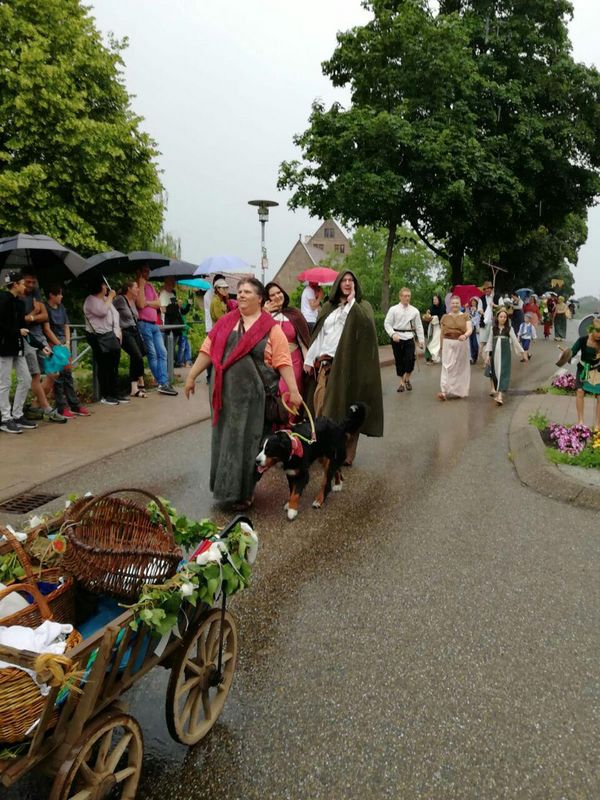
{"x": 294, "y": 327}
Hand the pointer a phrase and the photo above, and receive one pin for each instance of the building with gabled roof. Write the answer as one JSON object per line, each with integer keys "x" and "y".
{"x": 309, "y": 251}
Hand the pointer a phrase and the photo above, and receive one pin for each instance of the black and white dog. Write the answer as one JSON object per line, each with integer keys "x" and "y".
{"x": 295, "y": 451}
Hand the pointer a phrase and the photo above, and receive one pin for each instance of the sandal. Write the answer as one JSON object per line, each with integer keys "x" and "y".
{"x": 139, "y": 393}
{"x": 401, "y": 388}
{"x": 408, "y": 385}
{"x": 441, "y": 396}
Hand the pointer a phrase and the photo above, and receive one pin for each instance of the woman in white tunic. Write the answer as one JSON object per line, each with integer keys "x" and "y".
{"x": 498, "y": 355}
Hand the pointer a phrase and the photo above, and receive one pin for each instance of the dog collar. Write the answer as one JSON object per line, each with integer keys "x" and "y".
{"x": 297, "y": 446}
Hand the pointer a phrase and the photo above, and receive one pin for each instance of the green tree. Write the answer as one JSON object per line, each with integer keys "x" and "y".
{"x": 74, "y": 162}
{"x": 470, "y": 117}
{"x": 167, "y": 244}
{"x": 412, "y": 264}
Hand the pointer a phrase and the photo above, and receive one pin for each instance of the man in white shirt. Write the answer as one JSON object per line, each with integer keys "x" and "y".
{"x": 403, "y": 324}
{"x": 310, "y": 302}
{"x": 485, "y": 326}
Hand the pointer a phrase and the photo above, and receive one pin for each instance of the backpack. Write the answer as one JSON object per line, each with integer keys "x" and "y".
{"x": 173, "y": 313}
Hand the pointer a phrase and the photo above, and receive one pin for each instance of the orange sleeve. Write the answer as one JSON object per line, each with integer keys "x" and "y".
{"x": 277, "y": 350}
{"x": 206, "y": 345}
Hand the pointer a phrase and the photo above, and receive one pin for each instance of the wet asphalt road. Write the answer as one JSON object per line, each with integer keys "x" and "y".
{"x": 432, "y": 632}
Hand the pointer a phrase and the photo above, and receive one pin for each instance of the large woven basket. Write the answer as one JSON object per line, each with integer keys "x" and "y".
{"x": 60, "y": 602}
{"x": 21, "y": 702}
{"x": 114, "y": 547}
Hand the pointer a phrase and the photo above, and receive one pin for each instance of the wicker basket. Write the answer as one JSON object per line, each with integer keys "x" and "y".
{"x": 114, "y": 547}
{"x": 21, "y": 702}
{"x": 60, "y": 602}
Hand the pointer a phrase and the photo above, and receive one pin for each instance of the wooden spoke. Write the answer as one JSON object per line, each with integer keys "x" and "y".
{"x": 117, "y": 753}
{"x": 193, "y": 705}
{"x": 88, "y": 774}
{"x": 103, "y": 750}
{"x": 113, "y": 744}
{"x": 84, "y": 794}
{"x": 189, "y": 685}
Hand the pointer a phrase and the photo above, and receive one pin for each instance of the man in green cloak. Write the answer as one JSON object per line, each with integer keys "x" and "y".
{"x": 343, "y": 360}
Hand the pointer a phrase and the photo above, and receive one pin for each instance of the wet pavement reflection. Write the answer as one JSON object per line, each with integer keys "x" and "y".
{"x": 431, "y": 632}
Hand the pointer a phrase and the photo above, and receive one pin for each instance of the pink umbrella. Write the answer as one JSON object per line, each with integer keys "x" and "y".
{"x": 466, "y": 292}
{"x": 318, "y": 275}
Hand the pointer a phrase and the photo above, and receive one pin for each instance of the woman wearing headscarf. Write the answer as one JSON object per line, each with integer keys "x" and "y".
{"x": 293, "y": 325}
{"x": 343, "y": 360}
{"x": 433, "y": 316}
{"x": 455, "y": 380}
{"x": 560, "y": 320}
{"x": 249, "y": 353}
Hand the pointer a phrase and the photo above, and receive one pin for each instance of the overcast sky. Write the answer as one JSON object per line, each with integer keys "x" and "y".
{"x": 223, "y": 87}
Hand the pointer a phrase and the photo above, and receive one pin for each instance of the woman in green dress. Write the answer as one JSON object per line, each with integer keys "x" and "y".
{"x": 587, "y": 379}
{"x": 498, "y": 361}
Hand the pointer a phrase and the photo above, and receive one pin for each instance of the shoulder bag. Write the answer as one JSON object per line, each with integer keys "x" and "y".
{"x": 108, "y": 342}
{"x": 275, "y": 412}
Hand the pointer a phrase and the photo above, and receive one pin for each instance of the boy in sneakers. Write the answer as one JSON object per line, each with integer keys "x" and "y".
{"x": 58, "y": 332}
{"x": 12, "y": 355}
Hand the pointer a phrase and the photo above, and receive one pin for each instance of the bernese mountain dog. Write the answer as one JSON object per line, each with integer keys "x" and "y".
{"x": 295, "y": 451}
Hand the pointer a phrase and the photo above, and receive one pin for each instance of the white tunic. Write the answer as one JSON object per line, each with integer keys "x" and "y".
{"x": 404, "y": 321}
{"x": 329, "y": 336}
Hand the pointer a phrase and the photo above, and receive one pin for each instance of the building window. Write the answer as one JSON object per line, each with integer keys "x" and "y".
{"x": 319, "y": 246}
{"x": 340, "y": 248}
{"x": 329, "y": 233}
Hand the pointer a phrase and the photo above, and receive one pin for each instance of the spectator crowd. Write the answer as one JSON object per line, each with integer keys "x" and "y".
{"x": 36, "y": 346}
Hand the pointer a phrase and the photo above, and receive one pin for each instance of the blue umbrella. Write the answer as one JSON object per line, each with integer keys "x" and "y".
{"x": 222, "y": 264}
{"x": 524, "y": 293}
{"x": 195, "y": 283}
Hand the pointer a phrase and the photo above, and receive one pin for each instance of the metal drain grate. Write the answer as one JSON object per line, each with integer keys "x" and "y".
{"x": 25, "y": 503}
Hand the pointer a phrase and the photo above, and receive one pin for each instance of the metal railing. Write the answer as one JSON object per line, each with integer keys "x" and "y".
{"x": 170, "y": 335}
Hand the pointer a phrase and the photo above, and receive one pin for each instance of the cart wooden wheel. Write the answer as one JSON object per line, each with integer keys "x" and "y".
{"x": 107, "y": 762}
{"x": 197, "y": 693}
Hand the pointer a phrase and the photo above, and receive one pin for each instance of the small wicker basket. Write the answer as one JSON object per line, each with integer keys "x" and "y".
{"x": 114, "y": 547}
{"x": 60, "y": 602}
{"x": 21, "y": 702}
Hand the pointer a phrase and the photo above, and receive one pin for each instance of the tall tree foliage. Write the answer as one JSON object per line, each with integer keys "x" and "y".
{"x": 469, "y": 120}
{"x": 74, "y": 162}
{"x": 412, "y": 265}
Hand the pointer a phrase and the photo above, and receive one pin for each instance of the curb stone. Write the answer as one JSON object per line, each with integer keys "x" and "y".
{"x": 534, "y": 469}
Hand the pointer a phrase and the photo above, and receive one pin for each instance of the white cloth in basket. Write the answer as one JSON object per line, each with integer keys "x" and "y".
{"x": 49, "y": 637}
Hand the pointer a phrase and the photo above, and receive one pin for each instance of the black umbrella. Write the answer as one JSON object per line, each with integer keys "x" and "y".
{"x": 111, "y": 261}
{"x": 176, "y": 269}
{"x": 50, "y": 260}
{"x": 147, "y": 257}
{"x": 102, "y": 264}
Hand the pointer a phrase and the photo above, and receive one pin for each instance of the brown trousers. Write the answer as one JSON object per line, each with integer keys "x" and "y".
{"x": 323, "y": 370}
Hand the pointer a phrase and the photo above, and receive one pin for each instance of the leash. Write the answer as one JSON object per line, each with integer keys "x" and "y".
{"x": 292, "y": 413}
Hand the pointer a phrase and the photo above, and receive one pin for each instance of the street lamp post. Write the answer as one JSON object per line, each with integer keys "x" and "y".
{"x": 263, "y": 216}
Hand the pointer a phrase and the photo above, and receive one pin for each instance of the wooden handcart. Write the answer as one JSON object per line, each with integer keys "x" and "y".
{"x": 90, "y": 745}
